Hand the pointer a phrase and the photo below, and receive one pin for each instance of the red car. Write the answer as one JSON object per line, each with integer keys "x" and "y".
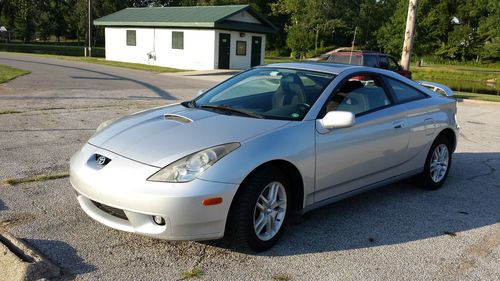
{"x": 368, "y": 58}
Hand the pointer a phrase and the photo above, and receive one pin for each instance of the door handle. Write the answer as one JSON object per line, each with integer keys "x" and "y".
{"x": 399, "y": 124}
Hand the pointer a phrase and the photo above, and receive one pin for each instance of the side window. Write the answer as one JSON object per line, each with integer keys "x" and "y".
{"x": 131, "y": 38}
{"x": 370, "y": 60}
{"x": 383, "y": 62}
{"x": 403, "y": 92}
{"x": 177, "y": 40}
{"x": 393, "y": 65}
{"x": 359, "y": 94}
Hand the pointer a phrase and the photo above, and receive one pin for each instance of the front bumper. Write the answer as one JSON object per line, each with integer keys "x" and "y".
{"x": 121, "y": 186}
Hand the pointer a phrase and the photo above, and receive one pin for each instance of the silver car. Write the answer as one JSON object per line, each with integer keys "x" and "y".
{"x": 242, "y": 157}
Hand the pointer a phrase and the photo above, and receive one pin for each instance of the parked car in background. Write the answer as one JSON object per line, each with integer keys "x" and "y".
{"x": 241, "y": 158}
{"x": 368, "y": 58}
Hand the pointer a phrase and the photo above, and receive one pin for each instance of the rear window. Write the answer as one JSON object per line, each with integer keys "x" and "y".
{"x": 346, "y": 58}
{"x": 403, "y": 92}
{"x": 370, "y": 61}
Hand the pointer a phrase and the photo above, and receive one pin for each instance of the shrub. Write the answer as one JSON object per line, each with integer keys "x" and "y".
{"x": 50, "y": 49}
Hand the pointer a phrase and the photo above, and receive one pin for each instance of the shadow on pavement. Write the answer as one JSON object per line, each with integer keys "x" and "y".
{"x": 3, "y": 206}
{"x": 215, "y": 73}
{"x": 76, "y": 98}
{"x": 400, "y": 212}
{"x": 160, "y": 92}
{"x": 58, "y": 251}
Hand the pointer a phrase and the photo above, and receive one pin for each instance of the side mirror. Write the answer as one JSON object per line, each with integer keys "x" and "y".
{"x": 200, "y": 92}
{"x": 336, "y": 119}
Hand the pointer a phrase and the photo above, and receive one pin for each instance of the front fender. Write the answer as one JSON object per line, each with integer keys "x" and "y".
{"x": 293, "y": 143}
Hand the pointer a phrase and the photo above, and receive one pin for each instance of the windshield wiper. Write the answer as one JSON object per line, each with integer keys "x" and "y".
{"x": 232, "y": 109}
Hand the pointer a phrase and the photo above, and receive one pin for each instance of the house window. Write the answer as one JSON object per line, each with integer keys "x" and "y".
{"x": 241, "y": 48}
{"x": 130, "y": 37}
{"x": 177, "y": 40}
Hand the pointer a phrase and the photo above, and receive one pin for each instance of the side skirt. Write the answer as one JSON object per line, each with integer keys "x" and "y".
{"x": 342, "y": 196}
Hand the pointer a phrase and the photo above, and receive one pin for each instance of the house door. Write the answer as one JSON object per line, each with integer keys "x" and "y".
{"x": 224, "y": 49}
{"x": 256, "y": 50}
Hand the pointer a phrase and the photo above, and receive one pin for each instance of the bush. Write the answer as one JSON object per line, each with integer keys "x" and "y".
{"x": 50, "y": 49}
{"x": 278, "y": 53}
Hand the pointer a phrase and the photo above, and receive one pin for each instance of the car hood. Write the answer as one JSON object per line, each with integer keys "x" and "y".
{"x": 162, "y": 135}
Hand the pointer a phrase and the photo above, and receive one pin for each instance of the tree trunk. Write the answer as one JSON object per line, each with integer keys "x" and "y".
{"x": 316, "y": 42}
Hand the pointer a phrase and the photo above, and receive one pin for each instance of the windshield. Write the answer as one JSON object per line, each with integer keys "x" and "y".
{"x": 271, "y": 93}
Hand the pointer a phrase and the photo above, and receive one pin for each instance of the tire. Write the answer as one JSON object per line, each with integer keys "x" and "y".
{"x": 253, "y": 222}
{"x": 437, "y": 165}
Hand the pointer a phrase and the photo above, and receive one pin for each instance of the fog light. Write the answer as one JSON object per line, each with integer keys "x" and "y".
{"x": 158, "y": 220}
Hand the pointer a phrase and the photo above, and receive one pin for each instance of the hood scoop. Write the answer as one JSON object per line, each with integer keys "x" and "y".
{"x": 177, "y": 118}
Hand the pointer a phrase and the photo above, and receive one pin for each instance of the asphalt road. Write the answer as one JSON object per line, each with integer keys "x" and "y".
{"x": 397, "y": 232}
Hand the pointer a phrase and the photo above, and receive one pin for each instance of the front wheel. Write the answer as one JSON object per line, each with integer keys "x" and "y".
{"x": 437, "y": 165}
{"x": 260, "y": 211}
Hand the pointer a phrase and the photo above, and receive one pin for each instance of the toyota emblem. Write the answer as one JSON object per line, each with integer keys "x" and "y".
{"x": 101, "y": 160}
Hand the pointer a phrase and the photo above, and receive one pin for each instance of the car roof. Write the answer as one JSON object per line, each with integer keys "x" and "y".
{"x": 359, "y": 53}
{"x": 328, "y": 67}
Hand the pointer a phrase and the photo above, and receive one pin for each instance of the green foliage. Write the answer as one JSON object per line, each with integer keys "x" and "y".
{"x": 461, "y": 30}
{"x": 50, "y": 49}
{"x": 306, "y": 25}
{"x": 24, "y": 24}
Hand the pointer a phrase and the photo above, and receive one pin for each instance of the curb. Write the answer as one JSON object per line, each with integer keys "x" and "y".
{"x": 20, "y": 262}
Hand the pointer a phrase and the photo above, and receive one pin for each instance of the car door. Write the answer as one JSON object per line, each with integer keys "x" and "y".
{"x": 369, "y": 151}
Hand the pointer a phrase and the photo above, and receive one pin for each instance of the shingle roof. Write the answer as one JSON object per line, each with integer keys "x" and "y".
{"x": 191, "y": 17}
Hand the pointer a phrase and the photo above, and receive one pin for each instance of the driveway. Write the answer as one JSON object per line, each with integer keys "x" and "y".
{"x": 397, "y": 232}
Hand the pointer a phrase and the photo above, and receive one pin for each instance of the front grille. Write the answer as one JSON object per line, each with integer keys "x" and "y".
{"x": 110, "y": 210}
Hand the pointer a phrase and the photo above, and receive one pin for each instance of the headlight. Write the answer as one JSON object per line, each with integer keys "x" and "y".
{"x": 190, "y": 167}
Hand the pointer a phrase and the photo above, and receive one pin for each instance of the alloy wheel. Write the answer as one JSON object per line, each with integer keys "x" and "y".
{"x": 270, "y": 211}
{"x": 439, "y": 163}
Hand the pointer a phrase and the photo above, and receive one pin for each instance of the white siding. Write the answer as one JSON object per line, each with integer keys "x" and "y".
{"x": 198, "y": 52}
{"x": 117, "y": 49}
{"x": 239, "y": 62}
{"x": 198, "y": 49}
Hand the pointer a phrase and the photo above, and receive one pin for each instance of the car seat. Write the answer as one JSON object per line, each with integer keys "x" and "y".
{"x": 341, "y": 95}
{"x": 290, "y": 91}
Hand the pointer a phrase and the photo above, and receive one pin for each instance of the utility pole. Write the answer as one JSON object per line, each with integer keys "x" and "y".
{"x": 352, "y": 45}
{"x": 89, "y": 32}
{"x": 409, "y": 34}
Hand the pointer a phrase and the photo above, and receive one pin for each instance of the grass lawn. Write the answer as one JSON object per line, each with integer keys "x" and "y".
{"x": 456, "y": 72}
{"x": 473, "y": 96}
{"x": 8, "y": 73}
{"x": 268, "y": 60}
{"x": 137, "y": 66}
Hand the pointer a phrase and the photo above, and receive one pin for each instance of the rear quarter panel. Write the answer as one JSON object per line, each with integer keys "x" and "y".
{"x": 427, "y": 118}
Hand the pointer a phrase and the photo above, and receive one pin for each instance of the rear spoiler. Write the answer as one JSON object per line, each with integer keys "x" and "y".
{"x": 436, "y": 87}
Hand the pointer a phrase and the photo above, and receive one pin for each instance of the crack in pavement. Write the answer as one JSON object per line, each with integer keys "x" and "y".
{"x": 17, "y": 219}
{"x": 201, "y": 257}
{"x": 489, "y": 173}
{"x": 467, "y": 138}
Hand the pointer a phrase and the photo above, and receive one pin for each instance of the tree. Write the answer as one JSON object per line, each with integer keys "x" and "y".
{"x": 306, "y": 24}
{"x": 24, "y": 24}
{"x": 489, "y": 30}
